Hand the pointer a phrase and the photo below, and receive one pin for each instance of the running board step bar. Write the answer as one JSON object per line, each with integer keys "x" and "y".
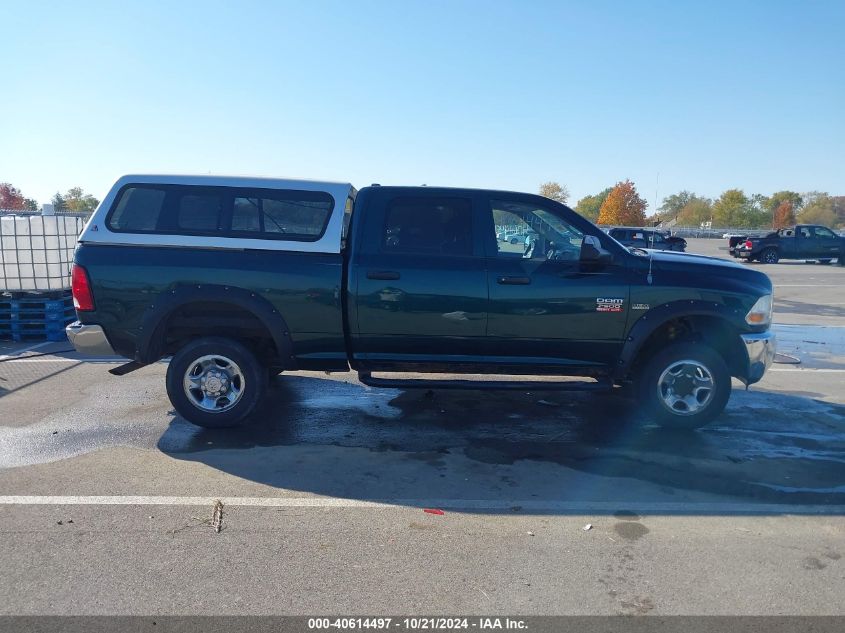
{"x": 511, "y": 385}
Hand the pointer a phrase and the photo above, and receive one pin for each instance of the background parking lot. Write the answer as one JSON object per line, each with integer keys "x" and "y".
{"x": 107, "y": 495}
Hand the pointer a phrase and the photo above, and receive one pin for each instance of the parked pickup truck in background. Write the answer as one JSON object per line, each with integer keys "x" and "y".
{"x": 647, "y": 238}
{"x": 239, "y": 279}
{"x": 803, "y": 241}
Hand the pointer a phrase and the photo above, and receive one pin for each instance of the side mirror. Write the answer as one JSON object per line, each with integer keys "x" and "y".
{"x": 592, "y": 252}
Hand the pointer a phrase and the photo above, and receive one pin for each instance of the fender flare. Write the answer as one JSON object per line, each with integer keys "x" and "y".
{"x": 658, "y": 316}
{"x": 170, "y": 300}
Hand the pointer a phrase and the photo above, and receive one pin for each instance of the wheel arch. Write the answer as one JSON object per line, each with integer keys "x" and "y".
{"x": 159, "y": 317}
{"x": 708, "y": 322}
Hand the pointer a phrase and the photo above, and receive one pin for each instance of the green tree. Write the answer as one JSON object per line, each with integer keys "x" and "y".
{"x": 733, "y": 209}
{"x": 58, "y": 202}
{"x": 673, "y": 204}
{"x": 589, "y": 206}
{"x": 623, "y": 206}
{"x": 77, "y": 201}
{"x": 695, "y": 212}
{"x": 554, "y": 191}
{"x": 30, "y": 205}
{"x": 820, "y": 210}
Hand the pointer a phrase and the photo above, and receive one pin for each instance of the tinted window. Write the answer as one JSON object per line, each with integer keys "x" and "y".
{"x": 138, "y": 209}
{"x": 228, "y": 211}
{"x": 246, "y": 215}
{"x": 199, "y": 213}
{"x": 297, "y": 215}
{"x": 429, "y": 225}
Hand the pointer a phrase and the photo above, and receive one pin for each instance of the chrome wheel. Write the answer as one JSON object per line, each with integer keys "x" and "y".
{"x": 213, "y": 383}
{"x": 770, "y": 256}
{"x": 685, "y": 387}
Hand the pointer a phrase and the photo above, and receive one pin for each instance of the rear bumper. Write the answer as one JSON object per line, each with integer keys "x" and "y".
{"x": 89, "y": 339}
{"x": 760, "y": 348}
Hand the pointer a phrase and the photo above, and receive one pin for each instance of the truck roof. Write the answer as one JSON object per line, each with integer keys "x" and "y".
{"x": 232, "y": 181}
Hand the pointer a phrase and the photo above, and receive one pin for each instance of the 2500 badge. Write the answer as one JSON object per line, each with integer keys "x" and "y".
{"x": 609, "y": 304}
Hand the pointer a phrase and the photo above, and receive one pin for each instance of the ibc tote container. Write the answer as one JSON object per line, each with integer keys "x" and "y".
{"x": 36, "y": 252}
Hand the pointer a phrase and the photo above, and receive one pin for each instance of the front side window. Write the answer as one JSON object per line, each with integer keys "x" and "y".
{"x": 437, "y": 226}
{"x": 545, "y": 235}
{"x": 824, "y": 233}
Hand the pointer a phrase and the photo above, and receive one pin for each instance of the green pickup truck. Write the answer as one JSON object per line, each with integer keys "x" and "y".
{"x": 239, "y": 279}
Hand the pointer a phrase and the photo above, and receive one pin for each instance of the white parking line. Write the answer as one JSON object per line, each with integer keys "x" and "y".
{"x": 26, "y": 349}
{"x": 527, "y": 505}
{"x": 820, "y": 370}
{"x": 58, "y": 359}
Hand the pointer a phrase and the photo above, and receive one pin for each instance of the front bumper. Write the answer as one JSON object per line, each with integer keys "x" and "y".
{"x": 760, "y": 348}
{"x": 89, "y": 339}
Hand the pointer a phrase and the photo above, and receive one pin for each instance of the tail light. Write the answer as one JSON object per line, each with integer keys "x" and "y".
{"x": 747, "y": 243}
{"x": 83, "y": 299}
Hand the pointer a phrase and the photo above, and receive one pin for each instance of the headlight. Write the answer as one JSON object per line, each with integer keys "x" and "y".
{"x": 761, "y": 312}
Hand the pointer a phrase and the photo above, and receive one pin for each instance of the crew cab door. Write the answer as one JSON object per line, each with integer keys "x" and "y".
{"x": 827, "y": 242}
{"x": 546, "y": 307}
{"x": 417, "y": 282}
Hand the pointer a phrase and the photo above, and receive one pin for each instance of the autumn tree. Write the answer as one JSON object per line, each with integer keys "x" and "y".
{"x": 589, "y": 206}
{"x": 554, "y": 191}
{"x": 11, "y": 197}
{"x": 784, "y": 215}
{"x": 773, "y": 202}
{"x": 623, "y": 206}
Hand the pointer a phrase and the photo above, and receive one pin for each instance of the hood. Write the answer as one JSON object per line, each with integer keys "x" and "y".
{"x": 700, "y": 271}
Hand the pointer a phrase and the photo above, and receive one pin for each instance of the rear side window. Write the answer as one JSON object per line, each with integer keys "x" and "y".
{"x": 438, "y": 226}
{"x": 138, "y": 209}
{"x": 200, "y": 213}
{"x": 292, "y": 215}
{"x": 222, "y": 211}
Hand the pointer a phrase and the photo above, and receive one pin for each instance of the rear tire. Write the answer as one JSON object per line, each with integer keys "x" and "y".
{"x": 684, "y": 386}
{"x": 215, "y": 382}
{"x": 770, "y": 256}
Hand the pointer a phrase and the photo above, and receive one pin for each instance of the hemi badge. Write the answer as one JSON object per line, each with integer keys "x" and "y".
{"x": 640, "y": 306}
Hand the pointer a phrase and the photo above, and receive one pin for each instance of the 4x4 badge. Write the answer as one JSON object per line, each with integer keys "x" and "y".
{"x": 609, "y": 304}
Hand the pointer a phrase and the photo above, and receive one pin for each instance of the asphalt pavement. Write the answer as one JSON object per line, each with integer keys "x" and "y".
{"x": 338, "y": 498}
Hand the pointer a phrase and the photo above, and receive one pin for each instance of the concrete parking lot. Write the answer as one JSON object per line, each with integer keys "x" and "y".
{"x": 106, "y": 495}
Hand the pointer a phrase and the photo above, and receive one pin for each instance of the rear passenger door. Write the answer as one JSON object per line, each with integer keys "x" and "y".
{"x": 418, "y": 281}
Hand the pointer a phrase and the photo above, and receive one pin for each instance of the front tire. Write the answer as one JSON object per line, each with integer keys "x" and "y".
{"x": 215, "y": 382}
{"x": 684, "y": 386}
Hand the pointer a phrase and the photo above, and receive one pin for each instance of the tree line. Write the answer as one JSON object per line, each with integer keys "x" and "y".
{"x": 74, "y": 200}
{"x": 622, "y": 205}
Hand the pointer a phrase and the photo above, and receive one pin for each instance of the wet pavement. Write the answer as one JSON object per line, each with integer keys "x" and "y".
{"x": 747, "y": 508}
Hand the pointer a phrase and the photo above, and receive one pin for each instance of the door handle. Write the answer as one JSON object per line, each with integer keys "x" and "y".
{"x": 514, "y": 281}
{"x": 382, "y": 274}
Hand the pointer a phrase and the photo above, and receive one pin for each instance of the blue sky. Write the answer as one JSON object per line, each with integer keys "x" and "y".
{"x": 710, "y": 95}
